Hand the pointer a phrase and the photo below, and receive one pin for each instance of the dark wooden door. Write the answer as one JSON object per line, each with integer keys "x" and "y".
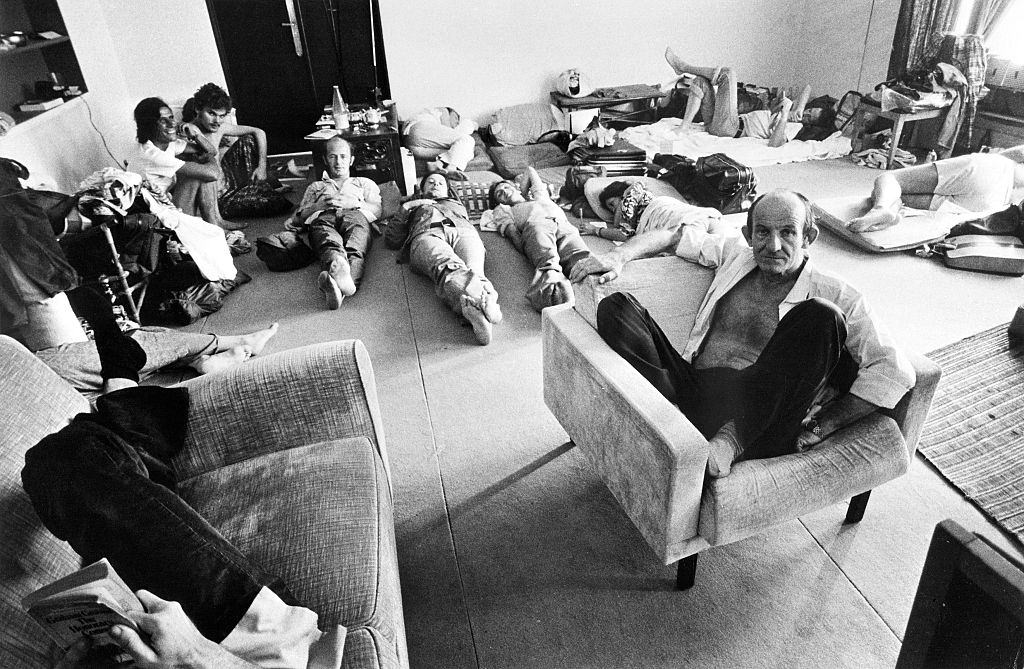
{"x": 281, "y": 80}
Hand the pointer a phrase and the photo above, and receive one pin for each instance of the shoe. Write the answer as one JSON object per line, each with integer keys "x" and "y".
{"x": 329, "y": 287}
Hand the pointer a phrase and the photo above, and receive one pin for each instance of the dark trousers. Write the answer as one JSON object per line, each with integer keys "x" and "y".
{"x": 93, "y": 489}
{"x": 768, "y": 400}
{"x": 347, "y": 233}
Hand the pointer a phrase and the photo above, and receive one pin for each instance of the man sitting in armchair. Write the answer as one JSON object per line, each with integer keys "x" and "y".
{"x": 771, "y": 335}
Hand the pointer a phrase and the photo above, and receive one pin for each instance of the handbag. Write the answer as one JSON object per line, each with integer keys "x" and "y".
{"x": 723, "y": 183}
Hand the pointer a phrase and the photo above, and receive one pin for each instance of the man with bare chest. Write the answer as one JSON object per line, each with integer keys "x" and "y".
{"x": 772, "y": 334}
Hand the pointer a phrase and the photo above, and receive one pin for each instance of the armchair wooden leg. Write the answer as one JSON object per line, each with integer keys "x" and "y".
{"x": 687, "y": 572}
{"x": 857, "y": 506}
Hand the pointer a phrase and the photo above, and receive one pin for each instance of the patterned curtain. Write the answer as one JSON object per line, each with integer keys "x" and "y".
{"x": 967, "y": 54}
{"x": 919, "y": 31}
{"x": 985, "y": 15}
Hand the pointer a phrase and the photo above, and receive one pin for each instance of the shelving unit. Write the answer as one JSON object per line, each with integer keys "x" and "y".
{"x": 23, "y": 66}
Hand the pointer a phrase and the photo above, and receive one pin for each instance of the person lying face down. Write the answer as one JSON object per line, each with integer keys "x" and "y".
{"x": 771, "y": 334}
{"x": 978, "y": 182}
{"x": 539, "y": 229}
{"x": 712, "y": 91}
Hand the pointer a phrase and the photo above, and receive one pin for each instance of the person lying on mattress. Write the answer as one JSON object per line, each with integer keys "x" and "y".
{"x": 637, "y": 210}
{"x": 980, "y": 182}
{"x": 772, "y": 331}
{"x": 538, "y": 228}
{"x": 712, "y": 91}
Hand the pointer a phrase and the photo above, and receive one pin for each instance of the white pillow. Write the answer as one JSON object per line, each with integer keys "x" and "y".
{"x": 593, "y": 187}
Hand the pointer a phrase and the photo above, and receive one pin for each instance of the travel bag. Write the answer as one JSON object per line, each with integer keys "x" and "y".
{"x": 722, "y": 183}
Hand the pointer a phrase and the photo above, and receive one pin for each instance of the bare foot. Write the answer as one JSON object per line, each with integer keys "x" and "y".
{"x": 341, "y": 272}
{"x": 254, "y": 341}
{"x": 878, "y": 218}
{"x": 723, "y": 450}
{"x": 675, "y": 62}
{"x": 329, "y": 287}
{"x": 488, "y": 304}
{"x": 218, "y": 362}
{"x": 476, "y": 318}
{"x": 680, "y": 66}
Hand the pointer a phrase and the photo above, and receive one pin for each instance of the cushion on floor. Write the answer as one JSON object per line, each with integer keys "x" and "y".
{"x": 339, "y": 540}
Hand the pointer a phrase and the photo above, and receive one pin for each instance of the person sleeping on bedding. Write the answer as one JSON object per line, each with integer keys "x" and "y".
{"x": 978, "y": 182}
{"x": 637, "y": 210}
{"x": 712, "y": 91}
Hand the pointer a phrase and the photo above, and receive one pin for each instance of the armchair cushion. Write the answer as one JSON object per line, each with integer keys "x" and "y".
{"x": 320, "y": 517}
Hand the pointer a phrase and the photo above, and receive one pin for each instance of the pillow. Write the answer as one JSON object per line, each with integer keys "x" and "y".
{"x": 510, "y": 161}
{"x": 593, "y": 187}
{"x": 474, "y": 195}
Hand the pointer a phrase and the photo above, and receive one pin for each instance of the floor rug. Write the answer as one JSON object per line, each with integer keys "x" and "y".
{"x": 974, "y": 434}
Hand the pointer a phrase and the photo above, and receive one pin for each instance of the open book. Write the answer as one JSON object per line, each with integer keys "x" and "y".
{"x": 86, "y": 603}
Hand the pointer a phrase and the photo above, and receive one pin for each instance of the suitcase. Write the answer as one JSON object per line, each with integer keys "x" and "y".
{"x": 994, "y": 254}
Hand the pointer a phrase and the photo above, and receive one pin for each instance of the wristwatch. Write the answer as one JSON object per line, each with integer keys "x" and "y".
{"x": 812, "y": 426}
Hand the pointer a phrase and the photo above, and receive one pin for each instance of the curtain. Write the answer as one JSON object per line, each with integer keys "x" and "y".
{"x": 919, "y": 32}
{"x": 985, "y": 15}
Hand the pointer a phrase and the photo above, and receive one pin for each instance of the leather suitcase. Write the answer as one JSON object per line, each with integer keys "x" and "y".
{"x": 722, "y": 183}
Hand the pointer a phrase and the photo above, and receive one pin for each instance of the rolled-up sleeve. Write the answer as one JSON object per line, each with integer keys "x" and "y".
{"x": 885, "y": 374}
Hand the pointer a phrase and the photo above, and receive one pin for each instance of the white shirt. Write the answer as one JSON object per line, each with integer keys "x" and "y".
{"x": 885, "y": 375}
{"x": 158, "y": 166}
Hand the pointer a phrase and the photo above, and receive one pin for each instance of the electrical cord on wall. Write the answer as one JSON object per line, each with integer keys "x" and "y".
{"x": 119, "y": 164}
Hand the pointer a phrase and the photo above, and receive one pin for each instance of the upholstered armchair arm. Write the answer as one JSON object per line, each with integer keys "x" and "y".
{"x": 280, "y": 401}
{"x": 645, "y": 450}
{"x": 758, "y": 494}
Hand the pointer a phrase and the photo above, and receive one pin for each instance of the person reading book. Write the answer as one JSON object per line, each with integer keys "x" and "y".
{"x": 105, "y": 484}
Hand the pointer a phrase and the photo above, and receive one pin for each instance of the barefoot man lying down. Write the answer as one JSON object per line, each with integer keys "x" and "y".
{"x": 981, "y": 182}
{"x": 712, "y": 91}
{"x": 772, "y": 331}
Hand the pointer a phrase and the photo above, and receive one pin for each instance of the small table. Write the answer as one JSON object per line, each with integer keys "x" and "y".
{"x": 376, "y": 151}
{"x": 899, "y": 119}
{"x": 644, "y": 96}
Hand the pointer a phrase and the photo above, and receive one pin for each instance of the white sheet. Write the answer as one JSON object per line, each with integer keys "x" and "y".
{"x": 671, "y": 135}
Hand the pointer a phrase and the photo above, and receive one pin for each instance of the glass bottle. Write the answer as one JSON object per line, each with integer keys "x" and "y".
{"x": 340, "y": 111}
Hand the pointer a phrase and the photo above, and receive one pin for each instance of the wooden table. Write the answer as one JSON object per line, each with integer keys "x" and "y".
{"x": 643, "y": 96}
{"x": 899, "y": 119}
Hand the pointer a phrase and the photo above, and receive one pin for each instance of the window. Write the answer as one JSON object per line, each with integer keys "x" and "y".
{"x": 1005, "y": 40}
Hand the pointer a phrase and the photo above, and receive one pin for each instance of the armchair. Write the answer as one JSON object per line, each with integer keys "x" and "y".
{"x": 653, "y": 460}
{"x": 285, "y": 455}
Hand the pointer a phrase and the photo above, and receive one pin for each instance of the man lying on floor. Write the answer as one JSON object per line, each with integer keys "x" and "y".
{"x": 979, "y": 182}
{"x": 772, "y": 332}
{"x": 712, "y": 91}
{"x": 539, "y": 228}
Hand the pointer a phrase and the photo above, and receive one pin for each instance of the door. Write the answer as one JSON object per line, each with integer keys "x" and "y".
{"x": 282, "y": 57}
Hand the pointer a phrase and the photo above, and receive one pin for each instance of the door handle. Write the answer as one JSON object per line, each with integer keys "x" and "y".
{"x": 294, "y": 25}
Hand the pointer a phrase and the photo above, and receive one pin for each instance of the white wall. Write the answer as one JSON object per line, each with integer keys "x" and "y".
{"x": 481, "y": 56}
{"x": 127, "y": 50}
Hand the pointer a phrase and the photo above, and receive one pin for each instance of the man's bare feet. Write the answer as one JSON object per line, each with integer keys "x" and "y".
{"x": 879, "y": 218}
{"x": 680, "y": 66}
{"x": 488, "y": 303}
{"x": 218, "y": 362}
{"x": 723, "y": 450}
{"x": 254, "y": 342}
{"x": 329, "y": 287}
{"x": 481, "y": 326}
{"x": 341, "y": 272}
